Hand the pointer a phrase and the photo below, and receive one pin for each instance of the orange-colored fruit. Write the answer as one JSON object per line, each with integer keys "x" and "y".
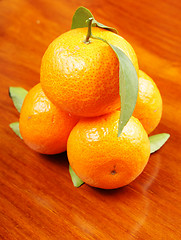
{"x": 101, "y": 158}
{"x": 148, "y": 107}
{"x": 44, "y": 127}
{"x": 84, "y": 78}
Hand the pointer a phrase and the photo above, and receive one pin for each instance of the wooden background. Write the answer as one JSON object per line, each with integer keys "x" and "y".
{"x": 37, "y": 198}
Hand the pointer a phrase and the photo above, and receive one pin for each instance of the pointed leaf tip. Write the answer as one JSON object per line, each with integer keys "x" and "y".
{"x": 157, "y": 141}
{"x": 77, "y": 182}
{"x": 15, "y": 127}
{"x": 17, "y": 94}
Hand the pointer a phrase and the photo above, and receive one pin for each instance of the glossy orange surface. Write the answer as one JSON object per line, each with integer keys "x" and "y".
{"x": 102, "y": 159}
{"x": 37, "y": 198}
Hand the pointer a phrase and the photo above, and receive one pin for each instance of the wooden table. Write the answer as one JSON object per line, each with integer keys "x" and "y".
{"x": 37, "y": 198}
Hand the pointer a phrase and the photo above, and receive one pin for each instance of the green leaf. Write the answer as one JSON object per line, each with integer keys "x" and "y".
{"x": 100, "y": 25}
{"x": 15, "y": 127}
{"x": 157, "y": 141}
{"x": 80, "y": 17}
{"x": 77, "y": 182}
{"x": 128, "y": 79}
{"x": 17, "y": 95}
{"x": 128, "y": 87}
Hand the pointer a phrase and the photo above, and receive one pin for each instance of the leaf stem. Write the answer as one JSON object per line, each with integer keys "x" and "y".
{"x": 89, "y": 31}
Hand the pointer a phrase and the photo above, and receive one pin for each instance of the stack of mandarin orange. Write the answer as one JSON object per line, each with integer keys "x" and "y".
{"x": 76, "y": 108}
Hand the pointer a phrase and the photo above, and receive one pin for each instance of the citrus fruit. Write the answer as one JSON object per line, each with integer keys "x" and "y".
{"x": 84, "y": 78}
{"x": 44, "y": 127}
{"x": 102, "y": 159}
{"x": 148, "y": 107}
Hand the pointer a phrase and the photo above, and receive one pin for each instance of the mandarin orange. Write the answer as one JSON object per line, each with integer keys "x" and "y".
{"x": 102, "y": 159}
{"x": 44, "y": 127}
{"x": 148, "y": 107}
{"x": 83, "y": 78}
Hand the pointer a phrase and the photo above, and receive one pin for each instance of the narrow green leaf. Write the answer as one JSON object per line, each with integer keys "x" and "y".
{"x": 128, "y": 79}
{"x": 128, "y": 87}
{"x": 17, "y": 95}
{"x": 15, "y": 127}
{"x": 80, "y": 17}
{"x": 157, "y": 141}
{"x": 77, "y": 182}
{"x": 100, "y": 25}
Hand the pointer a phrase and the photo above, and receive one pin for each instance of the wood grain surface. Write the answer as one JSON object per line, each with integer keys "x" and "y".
{"x": 37, "y": 198}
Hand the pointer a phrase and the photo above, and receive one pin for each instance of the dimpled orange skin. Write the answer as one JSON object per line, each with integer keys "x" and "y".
{"x": 148, "y": 107}
{"x": 84, "y": 78}
{"x": 44, "y": 127}
{"x": 103, "y": 160}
